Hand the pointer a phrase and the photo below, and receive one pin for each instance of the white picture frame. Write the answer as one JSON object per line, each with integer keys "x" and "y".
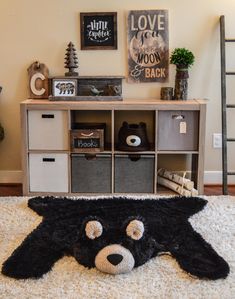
{"x": 64, "y": 87}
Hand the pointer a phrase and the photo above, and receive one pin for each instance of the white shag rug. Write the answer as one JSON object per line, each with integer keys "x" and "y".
{"x": 160, "y": 278}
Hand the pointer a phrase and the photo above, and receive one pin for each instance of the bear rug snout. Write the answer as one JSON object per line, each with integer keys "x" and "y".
{"x": 114, "y": 259}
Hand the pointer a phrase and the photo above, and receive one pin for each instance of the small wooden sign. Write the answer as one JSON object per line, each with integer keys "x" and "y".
{"x": 38, "y": 74}
{"x": 148, "y": 46}
{"x": 87, "y": 140}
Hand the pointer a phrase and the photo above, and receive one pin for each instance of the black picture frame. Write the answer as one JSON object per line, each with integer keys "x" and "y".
{"x": 98, "y": 30}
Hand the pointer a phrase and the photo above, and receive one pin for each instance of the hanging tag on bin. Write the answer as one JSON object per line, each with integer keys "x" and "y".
{"x": 183, "y": 127}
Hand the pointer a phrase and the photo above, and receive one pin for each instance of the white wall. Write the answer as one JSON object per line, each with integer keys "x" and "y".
{"x": 40, "y": 30}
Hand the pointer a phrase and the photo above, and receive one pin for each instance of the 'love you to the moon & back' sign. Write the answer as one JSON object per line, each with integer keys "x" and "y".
{"x": 148, "y": 46}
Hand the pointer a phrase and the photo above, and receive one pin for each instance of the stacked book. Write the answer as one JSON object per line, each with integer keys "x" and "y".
{"x": 177, "y": 183}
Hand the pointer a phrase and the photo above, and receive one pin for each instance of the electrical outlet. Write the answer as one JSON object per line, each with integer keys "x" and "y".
{"x": 217, "y": 140}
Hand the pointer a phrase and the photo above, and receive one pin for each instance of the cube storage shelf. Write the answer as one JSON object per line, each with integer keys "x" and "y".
{"x": 175, "y": 129}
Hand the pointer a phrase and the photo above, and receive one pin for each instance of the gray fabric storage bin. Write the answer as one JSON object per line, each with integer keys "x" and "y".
{"x": 134, "y": 176}
{"x": 91, "y": 175}
{"x": 170, "y": 133}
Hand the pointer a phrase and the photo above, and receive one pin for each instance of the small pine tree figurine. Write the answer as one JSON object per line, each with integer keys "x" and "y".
{"x": 71, "y": 60}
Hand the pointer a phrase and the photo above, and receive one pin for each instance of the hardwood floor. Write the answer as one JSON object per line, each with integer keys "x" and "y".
{"x": 217, "y": 190}
{"x": 16, "y": 190}
{"x": 11, "y": 190}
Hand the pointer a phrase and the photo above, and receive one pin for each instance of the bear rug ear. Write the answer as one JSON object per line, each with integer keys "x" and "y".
{"x": 115, "y": 235}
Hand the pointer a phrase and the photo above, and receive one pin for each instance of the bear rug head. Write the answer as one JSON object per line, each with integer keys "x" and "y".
{"x": 114, "y": 235}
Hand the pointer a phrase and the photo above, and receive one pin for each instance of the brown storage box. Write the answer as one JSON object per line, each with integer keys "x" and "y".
{"x": 87, "y": 137}
{"x": 83, "y": 141}
{"x": 178, "y": 130}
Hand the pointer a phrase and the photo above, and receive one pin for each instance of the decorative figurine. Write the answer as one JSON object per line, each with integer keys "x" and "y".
{"x": 114, "y": 90}
{"x": 71, "y": 60}
{"x": 167, "y": 93}
{"x": 95, "y": 91}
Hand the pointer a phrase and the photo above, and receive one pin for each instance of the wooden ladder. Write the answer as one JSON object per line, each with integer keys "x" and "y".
{"x": 224, "y": 104}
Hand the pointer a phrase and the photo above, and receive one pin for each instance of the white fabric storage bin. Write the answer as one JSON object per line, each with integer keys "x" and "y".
{"x": 48, "y": 172}
{"x": 47, "y": 130}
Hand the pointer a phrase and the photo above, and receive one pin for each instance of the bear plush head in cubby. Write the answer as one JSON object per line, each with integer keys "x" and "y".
{"x": 133, "y": 137}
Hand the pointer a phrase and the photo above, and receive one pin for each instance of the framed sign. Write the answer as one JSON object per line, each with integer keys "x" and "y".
{"x": 64, "y": 87}
{"x": 98, "y": 31}
{"x": 148, "y": 46}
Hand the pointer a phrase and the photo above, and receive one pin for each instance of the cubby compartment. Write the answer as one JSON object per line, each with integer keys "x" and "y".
{"x": 100, "y": 118}
{"x": 48, "y": 172}
{"x": 184, "y": 165}
{"x": 135, "y": 117}
{"x": 178, "y": 130}
{"x": 91, "y": 173}
{"x": 47, "y": 130}
{"x": 134, "y": 173}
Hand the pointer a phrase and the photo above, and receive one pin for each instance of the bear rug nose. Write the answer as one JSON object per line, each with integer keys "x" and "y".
{"x": 115, "y": 259}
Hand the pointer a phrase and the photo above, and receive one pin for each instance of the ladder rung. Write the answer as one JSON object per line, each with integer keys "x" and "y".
{"x": 230, "y": 106}
{"x": 230, "y": 40}
{"x": 230, "y": 73}
{"x": 231, "y": 139}
{"x": 230, "y": 173}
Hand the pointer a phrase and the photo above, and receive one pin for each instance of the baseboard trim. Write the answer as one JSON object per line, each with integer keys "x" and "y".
{"x": 215, "y": 178}
{"x": 210, "y": 177}
{"x": 11, "y": 176}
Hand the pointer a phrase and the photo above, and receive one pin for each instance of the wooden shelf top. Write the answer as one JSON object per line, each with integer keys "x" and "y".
{"x": 143, "y": 104}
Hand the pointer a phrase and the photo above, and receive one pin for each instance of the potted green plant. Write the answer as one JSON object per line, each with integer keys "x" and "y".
{"x": 1, "y": 133}
{"x": 1, "y": 128}
{"x": 183, "y": 59}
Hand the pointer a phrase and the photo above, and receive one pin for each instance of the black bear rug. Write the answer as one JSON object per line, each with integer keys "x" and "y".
{"x": 115, "y": 235}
